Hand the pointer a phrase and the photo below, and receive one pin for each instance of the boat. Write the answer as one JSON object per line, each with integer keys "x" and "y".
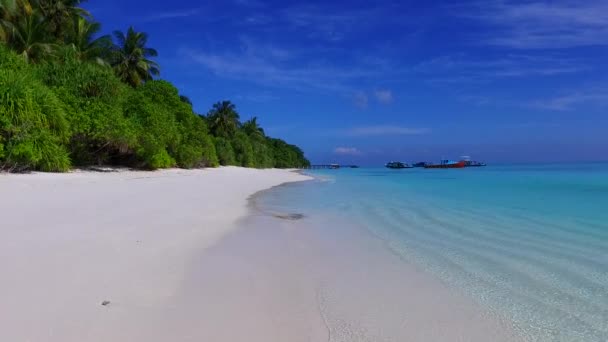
{"x": 472, "y": 163}
{"x": 334, "y": 166}
{"x": 398, "y": 165}
{"x": 420, "y": 164}
{"x": 446, "y": 164}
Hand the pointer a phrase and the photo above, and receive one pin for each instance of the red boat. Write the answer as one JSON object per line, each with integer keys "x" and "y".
{"x": 447, "y": 164}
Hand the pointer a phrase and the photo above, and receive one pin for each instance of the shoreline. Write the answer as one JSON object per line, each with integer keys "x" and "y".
{"x": 313, "y": 279}
{"x": 95, "y": 255}
{"x": 270, "y": 274}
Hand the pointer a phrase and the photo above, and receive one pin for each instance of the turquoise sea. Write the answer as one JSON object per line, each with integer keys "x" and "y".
{"x": 528, "y": 242}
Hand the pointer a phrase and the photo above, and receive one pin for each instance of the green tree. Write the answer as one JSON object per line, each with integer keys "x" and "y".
{"x": 67, "y": 107}
{"x": 95, "y": 100}
{"x": 243, "y": 150}
{"x": 262, "y": 153}
{"x": 131, "y": 58}
{"x": 225, "y": 152}
{"x": 223, "y": 119}
{"x": 28, "y": 36}
{"x": 253, "y": 129}
{"x": 33, "y": 128}
{"x": 286, "y": 155}
{"x": 82, "y": 39}
{"x": 60, "y": 15}
{"x": 185, "y": 99}
{"x": 191, "y": 146}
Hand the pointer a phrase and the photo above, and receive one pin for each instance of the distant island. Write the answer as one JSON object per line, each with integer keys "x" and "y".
{"x": 72, "y": 98}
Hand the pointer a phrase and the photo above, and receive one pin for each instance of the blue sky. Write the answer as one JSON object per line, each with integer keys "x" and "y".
{"x": 371, "y": 81}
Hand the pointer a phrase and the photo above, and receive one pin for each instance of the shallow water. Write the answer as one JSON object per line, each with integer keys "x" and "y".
{"x": 286, "y": 277}
{"x": 527, "y": 242}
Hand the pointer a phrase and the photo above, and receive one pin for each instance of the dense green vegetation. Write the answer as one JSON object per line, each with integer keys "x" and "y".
{"x": 72, "y": 97}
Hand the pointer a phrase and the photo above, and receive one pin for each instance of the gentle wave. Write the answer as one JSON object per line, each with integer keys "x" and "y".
{"x": 528, "y": 242}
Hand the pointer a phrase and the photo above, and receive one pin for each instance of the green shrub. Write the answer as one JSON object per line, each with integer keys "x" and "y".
{"x": 243, "y": 151}
{"x": 156, "y": 131}
{"x": 64, "y": 110}
{"x": 11, "y": 61}
{"x": 262, "y": 154}
{"x": 39, "y": 151}
{"x": 160, "y": 160}
{"x": 210, "y": 157}
{"x": 192, "y": 146}
{"x": 94, "y": 100}
{"x": 33, "y": 128}
{"x": 287, "y": 156}
{"x": 224, "y": 150}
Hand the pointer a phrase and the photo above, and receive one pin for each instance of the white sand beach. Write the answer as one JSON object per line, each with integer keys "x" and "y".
{"x": 157, "y": 256}
{"x": 70, "y": 242}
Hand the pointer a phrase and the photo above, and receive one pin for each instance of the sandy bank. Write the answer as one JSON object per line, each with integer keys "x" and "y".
{"x": 69, "y": 242}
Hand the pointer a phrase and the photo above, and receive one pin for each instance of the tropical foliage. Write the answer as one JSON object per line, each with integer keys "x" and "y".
{"x": 131, "y": 58}
{"x": 70, "y": 96}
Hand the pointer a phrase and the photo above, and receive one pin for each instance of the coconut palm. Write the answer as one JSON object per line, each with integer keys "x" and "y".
{"x": 253, "y": 129}
{"x": 223, "y": 119}
{"x": 29, "y": 36}
{"x": 130, "y": 58}
{"x": 87, "y": 47}
{"x": 60, "y": 15}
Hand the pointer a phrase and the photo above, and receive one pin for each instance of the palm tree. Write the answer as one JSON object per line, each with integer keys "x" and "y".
{"x": 60, "y": 15}
{"x": 223, "y": 119}
{"x": 87, "y": 47}
{"x": 253, "y": 129}
{"x": 131, "y": 58}
{"x": 28, "y": 36}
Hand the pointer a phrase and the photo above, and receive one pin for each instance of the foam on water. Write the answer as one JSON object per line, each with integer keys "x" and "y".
{"x": 528, "y": 242}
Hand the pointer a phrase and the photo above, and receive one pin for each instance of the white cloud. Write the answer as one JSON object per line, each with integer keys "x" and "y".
{"x": 171, "y": 15}
{"x": 570, "y": 101}
{"x": 541, "y": 24}
{"x": 470, "y": 69}
{"x": 329, "y": 22}
{"x": 347, "y": 151}
{"x": 385, "y": 130}
{"x": 273, "y": 66}
{"x": 384, "y": 96}
{"x": 256, "y": 97}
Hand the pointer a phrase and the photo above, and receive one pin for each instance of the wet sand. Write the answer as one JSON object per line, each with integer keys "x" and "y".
{"x": 309, "y": 279}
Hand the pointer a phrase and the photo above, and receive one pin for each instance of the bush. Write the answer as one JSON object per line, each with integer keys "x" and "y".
{"x": 159, "y": 159}
{"x": 156, "y": 131}
{"x": 243, "y": 151}
{"x": 262, "y": 154}
{"x": 210, "y": 157}
{"x": 33, "y": 128}
{"x": 65, "y": 111}
{"x": 191, "y": 145}
{"x": 224, "y": 150}
{"x": 94, "y": 100}
{"x": 287, "y": 156}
